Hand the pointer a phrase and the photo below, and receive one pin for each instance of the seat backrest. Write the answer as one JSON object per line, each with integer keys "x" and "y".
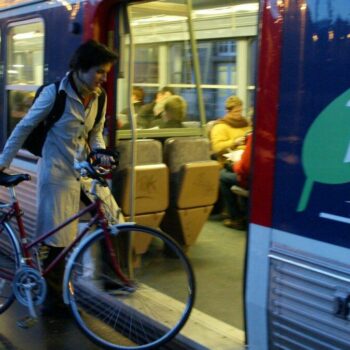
{"x": 182, "y": 150}
{"x": 194, "y": 187}
{"x": 188, "y": 158}
{"x": 199, "y": 184}
{"x": 151, "y": 177}
{"x": 151, "y": 189}
{"x": 148, "y": 151}
{"x": 209, "y": 127}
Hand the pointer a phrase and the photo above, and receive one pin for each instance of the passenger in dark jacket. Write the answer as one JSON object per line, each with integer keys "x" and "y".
{"x": 175, "y": 110}
{"x": 151, "y": 112}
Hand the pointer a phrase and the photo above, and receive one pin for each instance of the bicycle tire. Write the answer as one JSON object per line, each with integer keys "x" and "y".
{"x": 9, "y": 263}
{"x": 141, "y": 316}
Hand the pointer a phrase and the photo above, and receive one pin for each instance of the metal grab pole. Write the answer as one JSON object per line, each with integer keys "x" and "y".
{"x": 197, "y": 72}
{"x": 132, "y": 119}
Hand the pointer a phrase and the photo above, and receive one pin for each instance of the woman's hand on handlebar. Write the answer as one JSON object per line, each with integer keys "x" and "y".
{"x": 104, "y": 158}
{"x": 2, "y": 168}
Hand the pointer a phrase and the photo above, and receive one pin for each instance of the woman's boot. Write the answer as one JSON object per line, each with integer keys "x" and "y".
{"x": 53, "y": 304}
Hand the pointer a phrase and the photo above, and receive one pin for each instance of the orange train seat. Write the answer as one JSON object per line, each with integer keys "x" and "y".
{"x": 194, "y": 187}
{"x": 151, "y": 190}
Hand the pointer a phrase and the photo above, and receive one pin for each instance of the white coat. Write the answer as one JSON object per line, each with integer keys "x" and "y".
{"x": 58, "y": 193}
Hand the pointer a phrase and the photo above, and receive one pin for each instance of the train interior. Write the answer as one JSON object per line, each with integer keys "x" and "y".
{"x": 204, "y": 51}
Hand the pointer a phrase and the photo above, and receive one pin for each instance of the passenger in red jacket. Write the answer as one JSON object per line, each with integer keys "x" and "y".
{"x": 236, "y": 174}
{"x": 242, "y": 167}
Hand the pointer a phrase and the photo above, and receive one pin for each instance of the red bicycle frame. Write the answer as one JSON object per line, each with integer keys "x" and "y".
{"x": 98, "y": 218}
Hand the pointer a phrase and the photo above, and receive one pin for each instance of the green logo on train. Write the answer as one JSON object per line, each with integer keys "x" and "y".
{"x": 326, "y": 148}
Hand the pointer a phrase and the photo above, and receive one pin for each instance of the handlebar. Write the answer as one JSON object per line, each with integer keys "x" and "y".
{"x": 95, "y": 166}
{"x": 94, "y": 156}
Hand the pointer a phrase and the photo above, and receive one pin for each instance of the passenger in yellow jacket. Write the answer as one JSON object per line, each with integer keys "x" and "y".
{"x": 229, "y": 133}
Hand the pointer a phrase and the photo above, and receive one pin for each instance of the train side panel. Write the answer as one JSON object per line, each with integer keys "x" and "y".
{"x": 301, "y": 241}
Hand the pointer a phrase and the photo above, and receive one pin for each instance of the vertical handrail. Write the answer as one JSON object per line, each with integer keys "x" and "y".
{"x": 197, "y": 73}
{"x": 131, "y": 115}
{"x": 132, "y": 118}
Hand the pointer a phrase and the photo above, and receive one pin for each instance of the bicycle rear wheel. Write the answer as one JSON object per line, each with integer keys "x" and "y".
{"x": 9, "y": 263}
{"x": 144, "y": 306}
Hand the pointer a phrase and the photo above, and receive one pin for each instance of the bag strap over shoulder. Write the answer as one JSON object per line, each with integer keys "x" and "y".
{"x": 58, "y": 107}
{"x": 101, "y": 103}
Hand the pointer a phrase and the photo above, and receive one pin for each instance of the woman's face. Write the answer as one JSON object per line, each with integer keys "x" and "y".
{"x": 236, "y": 112}
{"x": 95, "y": 76}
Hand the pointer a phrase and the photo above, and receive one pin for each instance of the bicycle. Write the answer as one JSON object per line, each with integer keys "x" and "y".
{"x": 117, "y": 303}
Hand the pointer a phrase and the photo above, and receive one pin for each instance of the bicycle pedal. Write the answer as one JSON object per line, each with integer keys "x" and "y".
{"x": 27, "y": 322}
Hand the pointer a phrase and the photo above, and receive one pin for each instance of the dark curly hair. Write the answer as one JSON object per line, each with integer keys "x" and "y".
{"x": 91, "y": 54}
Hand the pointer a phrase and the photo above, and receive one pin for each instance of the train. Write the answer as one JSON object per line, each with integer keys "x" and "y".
{"x": 288, "y": 60}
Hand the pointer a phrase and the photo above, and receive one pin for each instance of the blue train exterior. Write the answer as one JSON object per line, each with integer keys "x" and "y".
{"x": 298, "y": 272}
{"x": 298, "y": 257}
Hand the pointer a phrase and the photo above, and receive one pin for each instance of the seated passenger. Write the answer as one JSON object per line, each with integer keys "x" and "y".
{"x": 137, "y": 99}
{"x": 229, "y": 133}
{"x": 150, "y": 112}
{"x": 242, "y": 167}
{"x": 174, "y": 112}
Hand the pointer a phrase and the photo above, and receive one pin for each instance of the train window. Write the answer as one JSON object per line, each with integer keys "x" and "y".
{"x": 225, "y": 43}
{"x": 25, "y": 57}
{"x": 251, "y": 77}
{"x": 19, "y": 102}
{"x": 179, "y": 70}
{"x": 146, "y": 70}
{"x": 24, "y": 67}
{"x": 162, "y": 58}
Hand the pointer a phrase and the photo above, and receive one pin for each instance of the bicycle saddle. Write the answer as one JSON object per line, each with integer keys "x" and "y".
{"x": 8, "y": 180}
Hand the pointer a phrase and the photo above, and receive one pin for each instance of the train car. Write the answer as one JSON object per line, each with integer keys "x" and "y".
{"x": 288, "y": 61}
{"x": 298, "y": 256}
{"x": 204, "y": 51}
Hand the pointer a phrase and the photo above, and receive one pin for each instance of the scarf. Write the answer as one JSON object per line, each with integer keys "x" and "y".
{"x": 235, "y": 121}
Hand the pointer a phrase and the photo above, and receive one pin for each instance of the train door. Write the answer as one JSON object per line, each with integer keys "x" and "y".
{"x": 23, "y": 69}
{"x": 158, "y": 42}
{"x": 298, "y": 279}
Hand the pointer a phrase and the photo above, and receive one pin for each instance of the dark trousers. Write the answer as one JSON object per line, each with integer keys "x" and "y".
{"x": 233, "y": 203}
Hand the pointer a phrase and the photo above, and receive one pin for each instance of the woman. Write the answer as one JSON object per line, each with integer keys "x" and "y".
{"x": 70, "y": 138}
{"x": 229, "y": 134}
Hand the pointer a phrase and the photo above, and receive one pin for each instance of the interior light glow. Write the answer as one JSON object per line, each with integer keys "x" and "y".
{"x": 27, "y": 35}
{"x": 66, "y": 4}
{"x": 157, "y": 19}
{"x": 251, "y": 7}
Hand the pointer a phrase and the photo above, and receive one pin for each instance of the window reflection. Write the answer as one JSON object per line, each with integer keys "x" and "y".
{"x": 163, "y": 64}
{"x": 25, "y": 54}
{"x": 163, "y": 54}
{"x": 24, "y": 71}
{"x": 146, "y": 64}
{"x": 180, "y": 63}
{"x": 18, "y": 104}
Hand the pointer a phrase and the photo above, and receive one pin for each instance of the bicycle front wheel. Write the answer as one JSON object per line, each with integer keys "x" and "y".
{"x": 9, "y": 263}
{"x": 139, "y": 303}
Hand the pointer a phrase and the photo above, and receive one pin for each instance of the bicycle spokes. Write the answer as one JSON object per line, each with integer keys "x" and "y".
{"x": 143, "y": 312}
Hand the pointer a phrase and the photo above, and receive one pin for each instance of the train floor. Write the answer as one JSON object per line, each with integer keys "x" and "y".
{"x": 218, "y": 260}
